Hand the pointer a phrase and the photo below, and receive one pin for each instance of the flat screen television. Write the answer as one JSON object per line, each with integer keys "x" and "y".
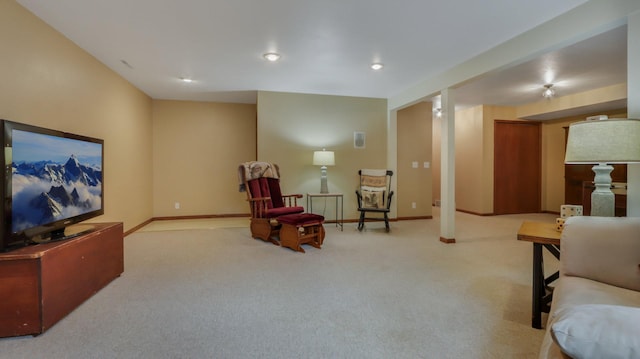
{"x": 52, "y": 179}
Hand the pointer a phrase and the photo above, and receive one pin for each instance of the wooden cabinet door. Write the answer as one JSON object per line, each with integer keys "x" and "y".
{"x": 517, "y": 167}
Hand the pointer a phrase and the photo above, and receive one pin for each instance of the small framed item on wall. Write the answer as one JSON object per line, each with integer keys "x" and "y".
{"x": 359, "y": 140}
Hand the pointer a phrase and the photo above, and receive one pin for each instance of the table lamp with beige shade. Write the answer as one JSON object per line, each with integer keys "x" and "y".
{"x": 323, "y": 158}
{"x": 603, "y": 142}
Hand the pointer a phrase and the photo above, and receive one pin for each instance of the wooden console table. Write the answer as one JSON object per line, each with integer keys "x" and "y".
{"x": 41, "y": 284}
{"x": 541, "y": 235}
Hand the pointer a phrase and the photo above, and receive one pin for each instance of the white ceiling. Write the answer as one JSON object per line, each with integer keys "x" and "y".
{"x": 326, "y": 46}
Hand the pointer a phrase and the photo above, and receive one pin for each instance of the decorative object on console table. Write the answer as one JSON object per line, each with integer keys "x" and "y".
{"x": 603, "y": 142}
{"x": 570, "y": 210}
{"x": 566, "y": 211}
{"x": 323, "y": 158}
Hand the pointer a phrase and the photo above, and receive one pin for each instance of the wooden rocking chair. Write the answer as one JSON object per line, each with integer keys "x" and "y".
{"x": 261, "y": 181}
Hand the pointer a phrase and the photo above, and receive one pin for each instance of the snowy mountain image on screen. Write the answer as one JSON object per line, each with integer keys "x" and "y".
{"x": 45, "y": 191}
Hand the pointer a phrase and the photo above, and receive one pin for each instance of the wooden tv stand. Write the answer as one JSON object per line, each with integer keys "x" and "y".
{"x": 41, "y": 284}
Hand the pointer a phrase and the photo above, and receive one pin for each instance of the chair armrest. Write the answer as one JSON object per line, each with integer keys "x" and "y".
{"x": 291, "y": 200}
{"x": 259, "y": 206}
{"x": 605, "y": 249}
{"x": 297, "y": 195}
{"x": 389, "y": 200}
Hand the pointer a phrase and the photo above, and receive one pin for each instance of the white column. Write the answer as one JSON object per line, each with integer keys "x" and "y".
{"x": 448, "y": 168}
{"x": 392, "y": 157}
{"x": 633, "y": 107}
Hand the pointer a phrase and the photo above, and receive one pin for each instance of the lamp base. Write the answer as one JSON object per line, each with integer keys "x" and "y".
{"x": 602, "y": 199}
{"x": 324, "y": 188}
{"x": 323, "y": 185}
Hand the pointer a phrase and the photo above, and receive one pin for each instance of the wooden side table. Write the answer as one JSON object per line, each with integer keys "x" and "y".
{"x": 337, "y": 196}
{"x": 541, "y": 235}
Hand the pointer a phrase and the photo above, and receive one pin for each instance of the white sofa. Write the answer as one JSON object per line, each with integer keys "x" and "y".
{"x": 595, "y": 312}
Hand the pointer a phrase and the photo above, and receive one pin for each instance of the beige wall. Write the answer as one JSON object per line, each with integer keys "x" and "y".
{"x": 414, "y": 184}
{"x": 474, "y": 157}
{"x": 197, "y": 147}
{"x": 469, "y": 152}
{"x": 48, "y": 81}
{"x": 553, "y": 145}
{"x": 292, "y": 126}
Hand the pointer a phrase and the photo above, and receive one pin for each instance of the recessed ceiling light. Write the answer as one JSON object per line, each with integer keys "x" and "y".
{"x": 271, "y": 56}
{"x": 377, "y": 66}
{"x": 186, "y": 80}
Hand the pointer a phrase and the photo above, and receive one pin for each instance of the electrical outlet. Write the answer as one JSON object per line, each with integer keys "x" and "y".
{"x": 413, "y": 205}
{"x": 414, "y": 164}
{"x": 426, "y": 164}
{"x": 177, "y": 205}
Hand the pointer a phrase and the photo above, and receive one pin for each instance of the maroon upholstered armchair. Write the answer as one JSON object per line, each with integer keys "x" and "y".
{"x": 261, "y": 182}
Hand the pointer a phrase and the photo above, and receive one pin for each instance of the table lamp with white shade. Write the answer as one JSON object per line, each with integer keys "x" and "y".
{"x": 323, "y": 158}
{"x": 603, "y": 142}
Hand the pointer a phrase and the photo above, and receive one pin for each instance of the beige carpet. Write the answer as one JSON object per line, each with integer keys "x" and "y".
{"x": 217, "y": 293}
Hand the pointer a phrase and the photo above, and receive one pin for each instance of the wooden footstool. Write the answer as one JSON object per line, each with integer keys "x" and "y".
{"x": 299, "y": 229}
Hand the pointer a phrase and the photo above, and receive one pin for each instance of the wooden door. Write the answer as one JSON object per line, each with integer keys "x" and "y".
{"x": 517, "y": 167}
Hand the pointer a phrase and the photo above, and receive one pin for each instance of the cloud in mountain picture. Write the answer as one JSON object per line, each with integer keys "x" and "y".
{"x": 53, "y": 178}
